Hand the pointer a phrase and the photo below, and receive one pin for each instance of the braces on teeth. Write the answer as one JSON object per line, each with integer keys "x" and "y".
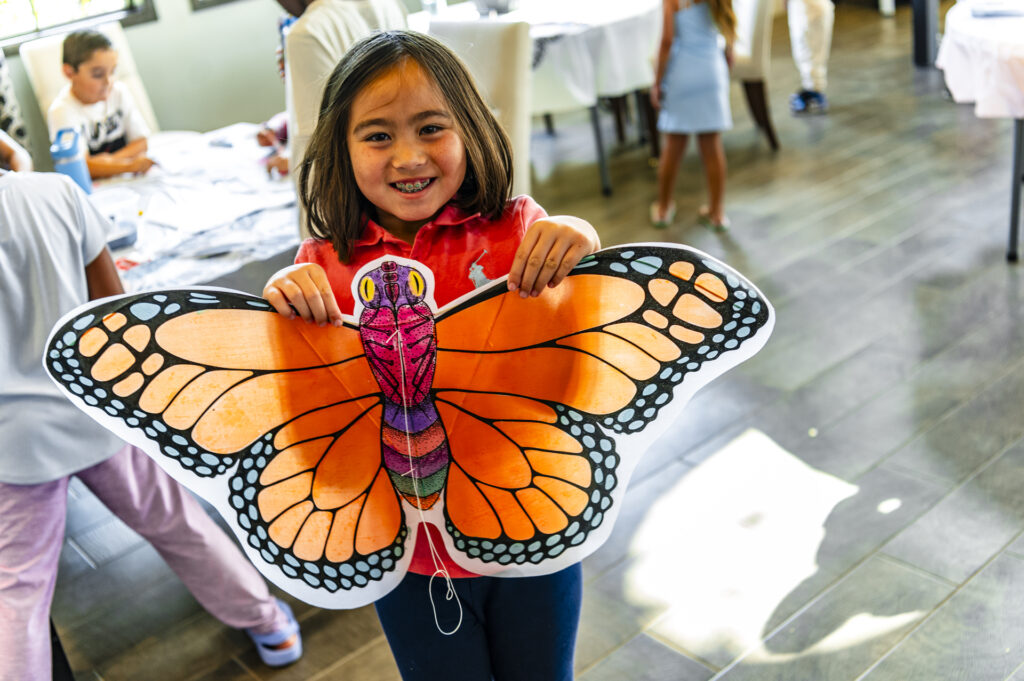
{"x": 412, "y": 186}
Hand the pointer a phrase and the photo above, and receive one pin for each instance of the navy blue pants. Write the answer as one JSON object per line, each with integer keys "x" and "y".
{"x": 513, "y": 628}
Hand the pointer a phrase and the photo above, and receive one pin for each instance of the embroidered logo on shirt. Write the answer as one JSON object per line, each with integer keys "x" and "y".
{"x": 476, "y": 272}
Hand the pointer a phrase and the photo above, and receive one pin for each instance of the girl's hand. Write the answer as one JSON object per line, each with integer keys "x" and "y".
{"x": 656, "y": 96}
{"x": 305, "y": 290}
{"x": 266, "y": 137}
{"x": 551, "y": 248}
{"x": 278, "y": 162}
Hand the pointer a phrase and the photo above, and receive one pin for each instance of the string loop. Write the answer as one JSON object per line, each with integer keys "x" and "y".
{"x": 435, "y": 557}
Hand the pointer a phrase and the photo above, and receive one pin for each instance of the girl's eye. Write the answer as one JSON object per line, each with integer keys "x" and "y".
{"x": 377, "y": 137}
{"x": 431, "y": 129}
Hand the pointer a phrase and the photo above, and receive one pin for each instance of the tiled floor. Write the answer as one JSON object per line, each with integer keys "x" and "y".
{"x": 847, "y": 505}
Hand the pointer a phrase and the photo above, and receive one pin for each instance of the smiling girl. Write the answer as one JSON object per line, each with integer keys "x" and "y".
{"x": 407, "y": 160}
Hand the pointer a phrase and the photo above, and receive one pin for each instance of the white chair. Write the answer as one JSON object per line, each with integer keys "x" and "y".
{"x": 498, "y": 55}
{"x": 313, "y": 46}
{"x": 752, "y": 59}
{"x": 42, "y": 60}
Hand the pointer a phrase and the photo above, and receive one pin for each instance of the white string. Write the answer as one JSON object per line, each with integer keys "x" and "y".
{"x": 435, "y": 557}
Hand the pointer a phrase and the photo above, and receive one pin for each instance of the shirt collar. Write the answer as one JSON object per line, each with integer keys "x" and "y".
{"x": 450, "y": 215}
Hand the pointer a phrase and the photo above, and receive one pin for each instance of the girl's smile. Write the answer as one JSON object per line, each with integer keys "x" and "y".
{"x": 413, "y": 186}
{"x": 407, "y": 156}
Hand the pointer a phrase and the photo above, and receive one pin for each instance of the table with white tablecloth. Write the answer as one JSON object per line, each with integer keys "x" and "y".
{"x": 982, "y": 57}
{"x": 207, "y": 209}
{"x": 583, "y": 50}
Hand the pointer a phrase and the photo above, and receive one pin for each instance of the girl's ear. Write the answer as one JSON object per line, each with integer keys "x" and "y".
{"x": 69, "y": 70}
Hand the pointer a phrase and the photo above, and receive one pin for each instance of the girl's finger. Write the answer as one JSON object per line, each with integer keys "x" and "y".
{"x": 515, "y": 275}
{"x": 314, "y": 298}
{"x": 273, "y": 295}
{"x": 552, "y": 264}
{"x": 535, "y": 262}
{"x": 331, "y": 304}
{"x": 293, "y": 293}
{"x": 572, "y": 257}
{"x": 323, "y": 287}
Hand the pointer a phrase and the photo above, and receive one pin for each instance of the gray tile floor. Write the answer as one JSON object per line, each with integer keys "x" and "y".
{"x": 845, "y": 506}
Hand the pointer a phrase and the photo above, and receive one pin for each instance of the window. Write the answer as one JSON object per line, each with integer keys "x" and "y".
{"x": 23, "y": 20}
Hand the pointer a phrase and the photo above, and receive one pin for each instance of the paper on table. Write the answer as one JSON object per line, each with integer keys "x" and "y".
{"x": 192, "y": 209}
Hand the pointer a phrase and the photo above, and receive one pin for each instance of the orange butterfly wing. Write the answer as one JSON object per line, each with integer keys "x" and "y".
{"x": 535, "y": 398}
{"x": 294, "y": 405}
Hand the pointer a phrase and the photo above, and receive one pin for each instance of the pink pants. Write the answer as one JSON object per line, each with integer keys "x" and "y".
{"x": 149, "y": 501}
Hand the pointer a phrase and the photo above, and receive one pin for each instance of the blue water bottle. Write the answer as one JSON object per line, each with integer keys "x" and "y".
{"x": 69, "y": 158}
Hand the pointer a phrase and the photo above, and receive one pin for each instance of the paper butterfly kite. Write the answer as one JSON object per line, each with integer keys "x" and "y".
{"x": 512, "y": 425}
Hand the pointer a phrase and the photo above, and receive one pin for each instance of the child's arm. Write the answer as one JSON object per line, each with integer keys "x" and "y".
{"x": 551, "y": 247}
{"x": 108, "y": 165}
{"x": 12, "y": 155}
{"x": 102, "y": 278}
{"x": 303, "y": 289}
{"x": 130, "y": 158}
{"x": 137, "y": 147}
{"x": 668, "y": 27}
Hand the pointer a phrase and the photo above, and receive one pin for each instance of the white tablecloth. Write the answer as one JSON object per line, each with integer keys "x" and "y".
{"x": 206, "y": 210}
{"x": 582, "y": 49}
{"x": 983, "y": 61}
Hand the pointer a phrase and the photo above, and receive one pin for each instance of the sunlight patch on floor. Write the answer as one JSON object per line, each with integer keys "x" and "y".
{"x": 726, "y": 545}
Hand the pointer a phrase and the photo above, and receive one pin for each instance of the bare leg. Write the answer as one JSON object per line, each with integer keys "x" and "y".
{"x": 668, "y": 165}
{"x": 713, "y": 156}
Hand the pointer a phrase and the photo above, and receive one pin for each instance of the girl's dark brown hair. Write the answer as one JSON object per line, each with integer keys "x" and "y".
{"x": 337, "y": 210}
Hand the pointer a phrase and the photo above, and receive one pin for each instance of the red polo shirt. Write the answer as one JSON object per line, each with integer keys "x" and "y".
{"x": 463, "y": 251}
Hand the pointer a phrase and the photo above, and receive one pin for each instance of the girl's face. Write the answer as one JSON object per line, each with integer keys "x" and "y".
{"x": 407, "y": 157}
{"x": 92, "y": 80}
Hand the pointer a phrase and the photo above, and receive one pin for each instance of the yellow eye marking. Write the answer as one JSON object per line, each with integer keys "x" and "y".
{"x": 416, "y": 284}
{"x": 367, "y": 289}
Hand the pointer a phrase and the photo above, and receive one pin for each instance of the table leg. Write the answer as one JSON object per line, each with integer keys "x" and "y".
{"x": 649, "y": 118}
{"x": 926, "y": 27}
{"x": 602, "y": 162}
{"x": 641, "y": 116}
{"x": 1013, "y": 252}
{"x": 618, "y": 105}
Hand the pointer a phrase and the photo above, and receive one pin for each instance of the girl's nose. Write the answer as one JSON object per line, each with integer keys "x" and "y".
{"x": 408, "y": 155}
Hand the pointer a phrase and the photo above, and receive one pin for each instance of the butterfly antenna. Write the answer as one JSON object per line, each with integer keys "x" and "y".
{"x": 439, "y": 568}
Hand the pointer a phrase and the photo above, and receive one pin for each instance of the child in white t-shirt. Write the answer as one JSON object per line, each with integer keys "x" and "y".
{"x": 99, "y": 108}
{"x": 53, "y": 258}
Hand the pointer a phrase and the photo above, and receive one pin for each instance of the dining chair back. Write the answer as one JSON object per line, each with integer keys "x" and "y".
{"x": 752, "y": 59}
{"x": 42, "y": 60}
{"x": 498, "y": 55}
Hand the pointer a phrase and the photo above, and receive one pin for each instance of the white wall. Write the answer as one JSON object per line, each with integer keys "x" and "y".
{"x": 202, "y": 70}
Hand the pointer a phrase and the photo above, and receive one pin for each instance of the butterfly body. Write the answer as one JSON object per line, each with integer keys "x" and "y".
{"x": 399, "y": 337}
{"x": 511, "y": 424}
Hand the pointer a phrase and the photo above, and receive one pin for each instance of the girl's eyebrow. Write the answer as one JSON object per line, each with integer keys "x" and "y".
{"x": 383, "y": 122}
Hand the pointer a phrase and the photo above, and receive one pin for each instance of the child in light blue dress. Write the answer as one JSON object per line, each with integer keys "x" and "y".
{"x": 692, "y": 92}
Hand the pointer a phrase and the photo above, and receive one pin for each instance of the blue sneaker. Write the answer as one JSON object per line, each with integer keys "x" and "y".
{"x": 808, "y": 102}
{"x": 281, "y": 647}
